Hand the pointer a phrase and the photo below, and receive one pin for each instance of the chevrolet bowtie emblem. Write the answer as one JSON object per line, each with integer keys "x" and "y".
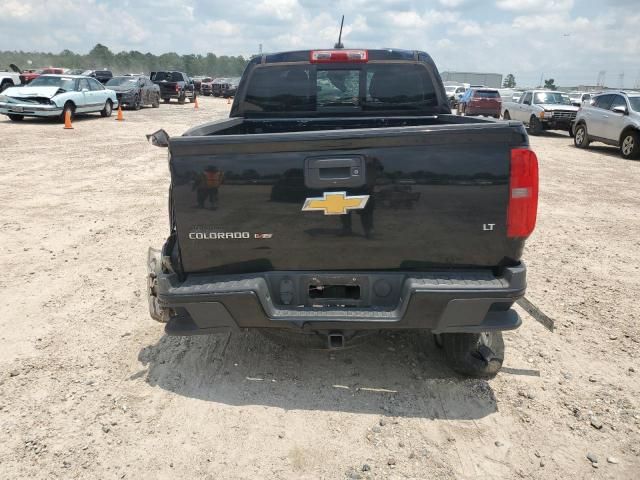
{"x": 335, "y": 203}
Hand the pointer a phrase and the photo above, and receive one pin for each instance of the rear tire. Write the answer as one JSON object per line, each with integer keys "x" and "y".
{"x": 166, "y": 100}
{"x": 137, "y": 103}
{"x": 16, "y": 118}
{"x": 477, "y": 355}
{"x": 580, "y": 137}
{"x": 156, "y": 102}
{"x": 69, "y": 106}
{"x": 630, "y": 145}
{"x": 506, "y": 115}
{"x": 181, "y": 99}
{"x": 6, "y": 84}
{"x": 107, "y": 110}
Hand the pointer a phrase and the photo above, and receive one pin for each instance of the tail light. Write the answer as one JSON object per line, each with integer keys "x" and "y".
{"x": 177, "y": 87}
{"x": 335, "y": 56}
{"x": 523, "y": 193}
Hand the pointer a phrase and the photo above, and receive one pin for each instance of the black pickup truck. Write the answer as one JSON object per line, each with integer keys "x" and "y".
{"x": 174, "y": 85}
{"x": 342, "y": 197}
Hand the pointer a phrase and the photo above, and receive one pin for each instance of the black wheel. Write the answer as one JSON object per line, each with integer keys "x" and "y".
{"x": 580, "y": 137}
{"x": 166, "y": 100}
{"x": 108, "y": 108}
{"x": 192, "y": 99}
{"x": 15, "y": 117}
{"x": 156, "y": 102}
{"x": 474, "y": 354}
{"x": 137, "y": 103}
{"x": 506, "y": 115}
{"x": 630, "y": 145}
{"x": 68, "y": 107}
{"x": 4, "y": 85}
{"x": 437, "y": 339}
{"x": 182, "y": 98}
{"x": 535, "y": 127}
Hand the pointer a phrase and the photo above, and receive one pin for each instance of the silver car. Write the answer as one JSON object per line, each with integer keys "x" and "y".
{"x": 612, "y": 118}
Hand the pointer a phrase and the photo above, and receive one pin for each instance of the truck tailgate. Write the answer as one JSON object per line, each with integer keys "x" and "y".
{"x": 435, "y": 196}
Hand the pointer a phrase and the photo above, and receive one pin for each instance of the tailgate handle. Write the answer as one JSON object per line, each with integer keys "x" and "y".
{"x": 334, "y": 172}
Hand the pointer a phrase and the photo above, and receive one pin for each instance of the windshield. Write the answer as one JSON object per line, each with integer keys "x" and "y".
{"x": 575, "y": 96}
{"x": 450, "y": 89}
{"x": 551, "y": 98}
{"x": 167, "y": 77}
{"x": 65, "y": 83}
{"x": 316, "y": 88}
{"x": 119, "y": 81}
{"x": 635, "y": 103}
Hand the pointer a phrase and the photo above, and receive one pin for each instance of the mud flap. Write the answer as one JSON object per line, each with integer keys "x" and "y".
{"x": 154, "y": 268}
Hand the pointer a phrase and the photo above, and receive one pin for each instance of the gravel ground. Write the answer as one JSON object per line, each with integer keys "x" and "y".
{"x": 91, "y": 388}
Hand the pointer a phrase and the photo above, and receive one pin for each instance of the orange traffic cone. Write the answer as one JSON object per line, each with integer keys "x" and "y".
{"x": 120, "y": 117}
{"x": 195, "y": 103}
{"x": 67, "y": 120}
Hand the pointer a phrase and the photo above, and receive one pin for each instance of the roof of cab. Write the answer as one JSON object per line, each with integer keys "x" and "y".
{"x": 374, "y": 54}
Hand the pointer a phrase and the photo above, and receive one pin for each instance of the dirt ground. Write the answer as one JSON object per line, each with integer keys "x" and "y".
{"x": 91, "y": 388}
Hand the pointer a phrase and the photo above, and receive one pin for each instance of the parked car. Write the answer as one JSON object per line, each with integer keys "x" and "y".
{"x": 230, "y": 88}
{"x": 454, "y": 92}
{"x": 542, "y": 110}
{"x": 198, "y": 81}
{"x": 218, "y": 85}
{"x": 10, "y": 77}
{"x": 480, "y": 101}
{"x": 174, "y": 85}
{"x": 27, "y": 76}
{"x": 323, "y": 255}
{"x": 578, "y": 98}
{"x": 614, "y": 119}
{"x": 103, "y": 76}
{"x": 206, "y": 87}
{"x": 54, "y": 95}
{"x": 135, "y": 91}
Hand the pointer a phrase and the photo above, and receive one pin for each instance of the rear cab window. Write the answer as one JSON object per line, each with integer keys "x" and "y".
{"x": 313, "y": 89}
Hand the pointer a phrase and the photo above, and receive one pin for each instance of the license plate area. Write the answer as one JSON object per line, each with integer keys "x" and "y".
{"x": 337, "y": 291}
{"x": 17, "y": 109}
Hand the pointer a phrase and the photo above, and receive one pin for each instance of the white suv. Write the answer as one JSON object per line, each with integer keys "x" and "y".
{"x": 612, "y": 118}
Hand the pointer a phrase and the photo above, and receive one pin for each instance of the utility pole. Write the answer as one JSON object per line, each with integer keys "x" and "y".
{"x": 260, "y": 49}
{"x": 621, "y": 80}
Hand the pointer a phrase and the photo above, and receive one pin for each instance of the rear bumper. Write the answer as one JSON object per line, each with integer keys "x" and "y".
{"x": 444, "y": 301}
{"x": 491, "y": 112}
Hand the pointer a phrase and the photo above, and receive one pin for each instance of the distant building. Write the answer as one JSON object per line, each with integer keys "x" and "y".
{"x": 493, "y": 80}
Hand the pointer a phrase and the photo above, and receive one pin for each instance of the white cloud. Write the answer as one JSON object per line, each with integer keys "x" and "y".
{"x": 534, "y": 5}
{"x": 452, "y": 3}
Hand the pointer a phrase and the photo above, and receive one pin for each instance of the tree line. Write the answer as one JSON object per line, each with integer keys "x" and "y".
{"x": 100, "y": 57}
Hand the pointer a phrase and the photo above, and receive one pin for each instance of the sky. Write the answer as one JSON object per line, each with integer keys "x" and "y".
{"x": 568, "y": 40}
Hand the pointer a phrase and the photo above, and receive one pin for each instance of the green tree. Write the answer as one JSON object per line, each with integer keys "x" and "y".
{"x": 550, "y": 84}
{"x": 509, "y": 81}
{"x": 129, "y": 62}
